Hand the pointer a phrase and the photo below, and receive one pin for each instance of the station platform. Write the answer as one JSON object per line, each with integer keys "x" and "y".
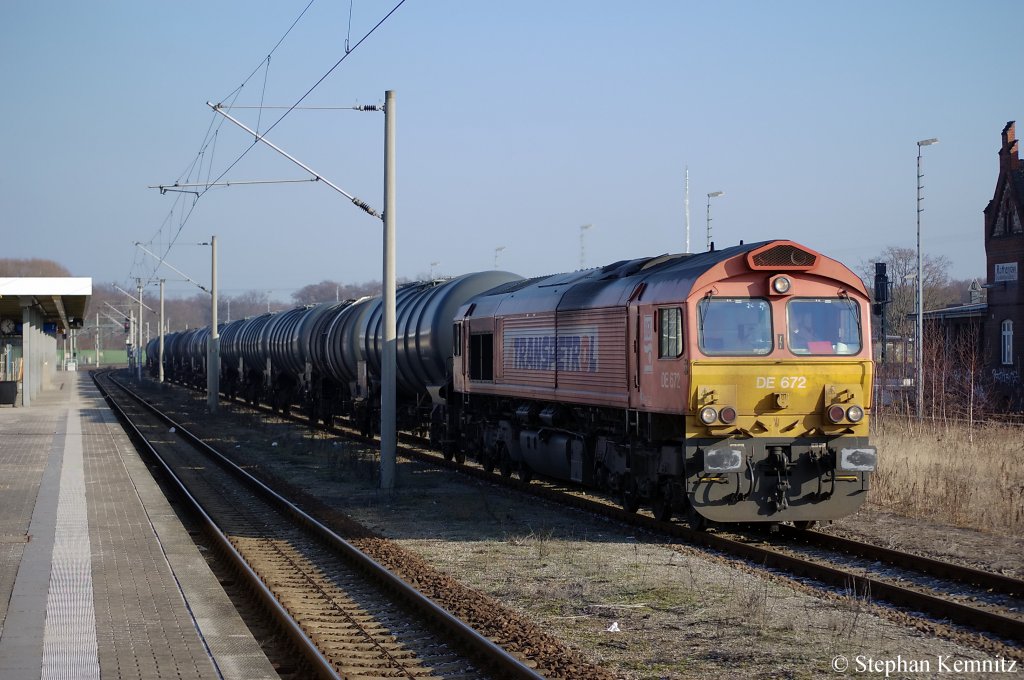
{"x": 98, "y": 578}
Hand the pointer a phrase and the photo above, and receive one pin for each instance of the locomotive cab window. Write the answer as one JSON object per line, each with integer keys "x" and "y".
{"x": 823, "y": 326}
{"x": 670, "y": 333}
{"x": 734, "y": 326}
{"x": 481, "y": 356}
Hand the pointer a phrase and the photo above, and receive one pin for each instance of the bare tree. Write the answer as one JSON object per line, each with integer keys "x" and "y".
{"x": 32, "y": 267}
{"x": 325, "y": 291}
{"x": 902, "y": 271}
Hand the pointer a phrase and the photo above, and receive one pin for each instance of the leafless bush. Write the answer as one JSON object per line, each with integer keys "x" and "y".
{"x": 956, "y": 472}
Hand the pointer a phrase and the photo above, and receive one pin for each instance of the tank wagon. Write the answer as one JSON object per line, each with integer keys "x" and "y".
{"x": 327, "y": 357}
{"x": 727, "y": 386}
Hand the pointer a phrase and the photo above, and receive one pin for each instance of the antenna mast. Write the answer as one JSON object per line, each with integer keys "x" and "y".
{"x": 686, "y": 208}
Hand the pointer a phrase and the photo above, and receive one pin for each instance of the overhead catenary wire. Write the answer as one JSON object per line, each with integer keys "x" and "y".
{"x": 308, "y": 92}
{"x": 210, "y": 142}
{"x": 182, "y": 186}
{"x": 233, "y": 96}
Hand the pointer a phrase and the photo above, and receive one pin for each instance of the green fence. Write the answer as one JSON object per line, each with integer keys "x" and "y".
{"x": 108, "y": 357}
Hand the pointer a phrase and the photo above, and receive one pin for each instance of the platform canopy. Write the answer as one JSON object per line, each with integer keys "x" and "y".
{"x": 60, "y": 300}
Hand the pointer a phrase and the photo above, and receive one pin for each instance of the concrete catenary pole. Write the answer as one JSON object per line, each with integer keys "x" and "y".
{"x": 138, "y": 344}
{"x": 213, "y": 345}
{"x": 389, "y": 359}
{"x": 160, "y": 359}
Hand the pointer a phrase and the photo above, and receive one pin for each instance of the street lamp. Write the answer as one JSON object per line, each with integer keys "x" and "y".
{"x": 919, "y": 337}
{"x": 583, "y": 228}
{"x": 432, "y": 266}
{"x": 496, "y": 252}
{"x": 713, "y": 194}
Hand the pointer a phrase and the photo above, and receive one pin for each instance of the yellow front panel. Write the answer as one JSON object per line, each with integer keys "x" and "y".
{"x": 779, "y": 399}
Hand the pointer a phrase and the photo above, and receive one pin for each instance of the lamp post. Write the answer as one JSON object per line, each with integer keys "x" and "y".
{"x": 713, "y": 194}
{"x": 919, "y": 337}
{"x": 496, "y": 252}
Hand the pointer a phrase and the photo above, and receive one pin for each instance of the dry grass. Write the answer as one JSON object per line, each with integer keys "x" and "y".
{"x": 966, "y": 476}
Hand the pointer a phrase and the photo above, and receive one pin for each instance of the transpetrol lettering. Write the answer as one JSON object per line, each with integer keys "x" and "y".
{"x": 574, "y": 351}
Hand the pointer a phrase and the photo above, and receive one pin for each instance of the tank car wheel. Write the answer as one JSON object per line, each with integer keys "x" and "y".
{"x": 805, "y": 525}
{"x": 487, "y": 461}
{"x": 460, "y": 457}
{"x": 504, "y": 463}
{"x": 525, "y": 473}
{"x": 661, "y": 504}
{"x": 630, "y": 494}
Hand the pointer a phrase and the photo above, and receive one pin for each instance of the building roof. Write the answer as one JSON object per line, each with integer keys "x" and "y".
{"x": 976, "y": 310}
{"x": 61, "y": 300}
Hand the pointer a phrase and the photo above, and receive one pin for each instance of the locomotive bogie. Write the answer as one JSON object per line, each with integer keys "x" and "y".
{"x": 779, "y": 479}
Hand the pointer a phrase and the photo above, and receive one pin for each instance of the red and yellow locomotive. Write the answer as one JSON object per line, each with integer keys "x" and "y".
{"x": 730, "y": 386}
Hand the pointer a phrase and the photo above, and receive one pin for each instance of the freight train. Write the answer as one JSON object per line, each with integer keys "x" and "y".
{"x": 725, "y": 386}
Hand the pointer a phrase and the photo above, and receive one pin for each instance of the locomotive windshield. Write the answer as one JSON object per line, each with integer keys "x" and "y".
{"x": 823, "y": 326}
{"x": 735, "y": 326}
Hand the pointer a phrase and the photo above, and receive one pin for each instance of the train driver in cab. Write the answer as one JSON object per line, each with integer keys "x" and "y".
{"x": 805, "y": 334}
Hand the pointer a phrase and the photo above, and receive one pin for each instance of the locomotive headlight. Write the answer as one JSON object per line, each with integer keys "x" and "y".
{"x": 836, "y": 413}
{"x": 727, "y": 415}
{"x": 781, "y": 285}
{"x": 708, "y": 415}
{"x": 855, "y": 414}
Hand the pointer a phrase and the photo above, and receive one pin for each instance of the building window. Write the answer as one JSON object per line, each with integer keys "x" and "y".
{"x": 1007, "y": 342}
{"x": 670, "y": 343}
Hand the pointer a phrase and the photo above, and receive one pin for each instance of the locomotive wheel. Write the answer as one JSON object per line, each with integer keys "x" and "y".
{"x": 805, "y": 525}
{"x": 661, "y": 504}
{"x": 630, "y": 495}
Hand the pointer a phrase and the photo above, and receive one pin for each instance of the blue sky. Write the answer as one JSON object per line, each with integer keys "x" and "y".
{"x": 517, "y": 123}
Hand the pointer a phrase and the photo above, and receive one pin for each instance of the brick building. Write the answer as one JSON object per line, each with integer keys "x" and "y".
{"x": 1004, "y": 251}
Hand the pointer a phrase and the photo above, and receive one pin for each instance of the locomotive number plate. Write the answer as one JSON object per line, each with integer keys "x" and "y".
{"x": 786, "y": 382}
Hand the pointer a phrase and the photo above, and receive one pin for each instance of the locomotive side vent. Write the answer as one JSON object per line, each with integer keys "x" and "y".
{"x": 782, "y": 256}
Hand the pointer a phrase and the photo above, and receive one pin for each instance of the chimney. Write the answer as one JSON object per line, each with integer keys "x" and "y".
{"x": 1008, "y": 156}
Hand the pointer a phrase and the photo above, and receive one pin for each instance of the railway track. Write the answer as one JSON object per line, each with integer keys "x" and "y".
{"x": 349, "y": 615}
{"x": 963, "y": 596}
{"x": 959, "y": 596}
{"x": 982, "y": 601}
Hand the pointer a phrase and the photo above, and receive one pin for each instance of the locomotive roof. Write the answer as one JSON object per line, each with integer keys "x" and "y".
{"x": 613, "y": 284}
{"x": 610, "y": 284}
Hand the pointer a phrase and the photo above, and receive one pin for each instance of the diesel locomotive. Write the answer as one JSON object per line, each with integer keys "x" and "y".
{"x": 725, "y": 386}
